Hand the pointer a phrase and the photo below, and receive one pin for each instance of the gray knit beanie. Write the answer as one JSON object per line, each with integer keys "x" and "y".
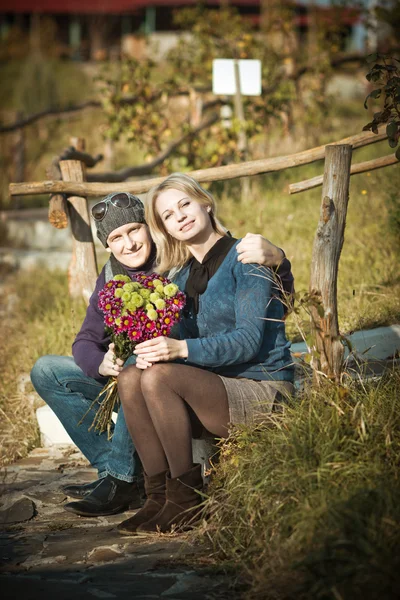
{"x": 116, "y": 217}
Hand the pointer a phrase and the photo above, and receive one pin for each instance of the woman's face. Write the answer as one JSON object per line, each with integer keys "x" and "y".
{"x": 184, "y": 219}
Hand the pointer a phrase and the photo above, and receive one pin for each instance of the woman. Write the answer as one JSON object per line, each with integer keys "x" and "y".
{"x": 231, "y": 363}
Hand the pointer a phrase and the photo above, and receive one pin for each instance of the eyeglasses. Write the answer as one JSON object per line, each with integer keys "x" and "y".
{"x": 100, "y": 209}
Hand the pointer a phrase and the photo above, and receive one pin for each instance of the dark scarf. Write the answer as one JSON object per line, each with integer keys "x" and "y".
{"x": 201, "y": 272}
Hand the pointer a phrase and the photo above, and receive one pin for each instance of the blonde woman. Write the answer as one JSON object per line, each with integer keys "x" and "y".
{"x": 231, "y": 363}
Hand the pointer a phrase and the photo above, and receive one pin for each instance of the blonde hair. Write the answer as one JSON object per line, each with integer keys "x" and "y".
{"x": 172, "y": 253}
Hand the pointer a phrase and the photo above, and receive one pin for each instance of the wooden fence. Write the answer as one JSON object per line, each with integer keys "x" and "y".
{"x": 327, "y": 348}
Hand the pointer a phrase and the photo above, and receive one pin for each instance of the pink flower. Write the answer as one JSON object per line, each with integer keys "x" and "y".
{"x": 134, "y": 335}
{"x": 127, "y": 323}
{"x": 134, "y": 325}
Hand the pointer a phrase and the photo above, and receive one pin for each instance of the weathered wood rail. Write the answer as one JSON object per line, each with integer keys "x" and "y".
{"x": 244, "y": 169}
{"x": 362, "y": 167}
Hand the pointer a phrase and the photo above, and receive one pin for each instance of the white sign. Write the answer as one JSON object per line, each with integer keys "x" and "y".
{"x": 224, "y": 77}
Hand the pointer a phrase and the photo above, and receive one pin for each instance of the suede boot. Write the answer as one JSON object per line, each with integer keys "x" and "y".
{"x": 154, "y": 486}
{"x": 182, "y": 503}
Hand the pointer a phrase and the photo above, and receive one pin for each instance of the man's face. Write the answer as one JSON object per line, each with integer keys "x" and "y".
{"x": 131, "y": 244}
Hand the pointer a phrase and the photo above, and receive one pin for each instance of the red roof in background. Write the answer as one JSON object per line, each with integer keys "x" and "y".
{"x": 99, "y": 6}
{"x": 349, "y": 16}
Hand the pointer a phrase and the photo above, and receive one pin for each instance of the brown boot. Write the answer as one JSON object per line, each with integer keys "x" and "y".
{"x": 154, "y": 486}
{"x": 183, "y": 499}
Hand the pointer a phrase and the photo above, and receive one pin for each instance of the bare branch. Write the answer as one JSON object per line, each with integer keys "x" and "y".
{"x": 147, "y": 168}
{"x": 47, "y": 113}
{"x": 88, "y": 160}
{"x": 60, "y": 112}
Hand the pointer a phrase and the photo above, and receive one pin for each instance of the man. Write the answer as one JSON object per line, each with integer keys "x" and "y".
{"x": 69, "y": 385}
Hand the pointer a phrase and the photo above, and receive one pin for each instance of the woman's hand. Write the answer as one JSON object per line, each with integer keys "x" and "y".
{"x": 255, "y": 248}
{"x": 159, "y": 349}
{"x": 110, "y": 366}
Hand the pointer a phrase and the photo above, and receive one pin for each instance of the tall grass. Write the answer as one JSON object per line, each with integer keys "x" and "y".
{"x": 307, "y": 505}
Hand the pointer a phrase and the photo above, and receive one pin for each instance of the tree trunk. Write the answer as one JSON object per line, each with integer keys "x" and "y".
{"x": 98, "y": 30}
{"x": 328, "y": 350}
{"x": 312, "y": 36}
{"x": 109, "y": 154}
{"x": 195, "y": 108}
{"x": 19, "y": 159}
{"x": 242, "y": 137}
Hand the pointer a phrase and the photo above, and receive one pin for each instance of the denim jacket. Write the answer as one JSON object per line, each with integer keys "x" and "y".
{"x": 238, "y": 331}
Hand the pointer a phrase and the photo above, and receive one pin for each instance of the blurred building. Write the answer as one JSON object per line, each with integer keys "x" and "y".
{"x": 103, "y": 29}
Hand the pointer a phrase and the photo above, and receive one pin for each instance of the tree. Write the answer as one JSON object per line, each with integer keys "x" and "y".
{"x": 151, "y": 121}
{"x": 385, "y": 76}
{"x": 186, "y": 71}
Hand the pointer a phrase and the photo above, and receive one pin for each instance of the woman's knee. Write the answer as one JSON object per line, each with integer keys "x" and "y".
{"x": 156, "y": 378}
{"x": 128, "y": 380}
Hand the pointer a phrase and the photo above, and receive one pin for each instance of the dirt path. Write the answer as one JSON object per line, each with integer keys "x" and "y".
{"x": 47, "y": 552}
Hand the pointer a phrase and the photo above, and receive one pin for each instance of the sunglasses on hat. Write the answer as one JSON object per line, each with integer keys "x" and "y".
{"x": 100, "y": 209}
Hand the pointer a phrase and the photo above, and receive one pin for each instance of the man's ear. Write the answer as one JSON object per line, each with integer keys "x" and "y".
{"x": 108, "y": 249}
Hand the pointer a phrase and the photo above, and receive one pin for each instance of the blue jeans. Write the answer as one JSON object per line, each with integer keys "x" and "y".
{"x": 69, "y": 393}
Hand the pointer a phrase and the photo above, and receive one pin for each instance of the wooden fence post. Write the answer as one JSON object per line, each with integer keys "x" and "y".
{"x": 328, "y": 350}
{"x": 82, "y": 273}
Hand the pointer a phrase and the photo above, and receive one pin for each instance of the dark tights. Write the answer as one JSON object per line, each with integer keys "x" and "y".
{"x": 155, "y": 403}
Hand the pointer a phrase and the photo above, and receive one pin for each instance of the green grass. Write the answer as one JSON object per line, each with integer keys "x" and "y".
{"x": 307, "y": 505}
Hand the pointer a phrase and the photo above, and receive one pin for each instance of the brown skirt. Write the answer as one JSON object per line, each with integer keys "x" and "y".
{"x": 250, "y": 401}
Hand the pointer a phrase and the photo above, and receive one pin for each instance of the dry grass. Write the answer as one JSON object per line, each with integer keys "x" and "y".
{"x": 37, "y": 318}
{"x": 307, "y": 506}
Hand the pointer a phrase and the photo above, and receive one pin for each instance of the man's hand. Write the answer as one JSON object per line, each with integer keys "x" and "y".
{"x": 255, "y": 248}
{"x": 111, "y": 366}
{"x": 159, "y": 349}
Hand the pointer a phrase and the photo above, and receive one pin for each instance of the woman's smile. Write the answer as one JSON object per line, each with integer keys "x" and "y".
{"x": 187, "y": 226}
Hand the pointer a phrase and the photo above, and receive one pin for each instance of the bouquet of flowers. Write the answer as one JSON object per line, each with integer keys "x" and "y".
{"x": 134, "y": 311}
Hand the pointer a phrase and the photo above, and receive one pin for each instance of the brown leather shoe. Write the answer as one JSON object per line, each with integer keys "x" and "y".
{"x": 182, "y": 505}
{"x": 154, "y": 486}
